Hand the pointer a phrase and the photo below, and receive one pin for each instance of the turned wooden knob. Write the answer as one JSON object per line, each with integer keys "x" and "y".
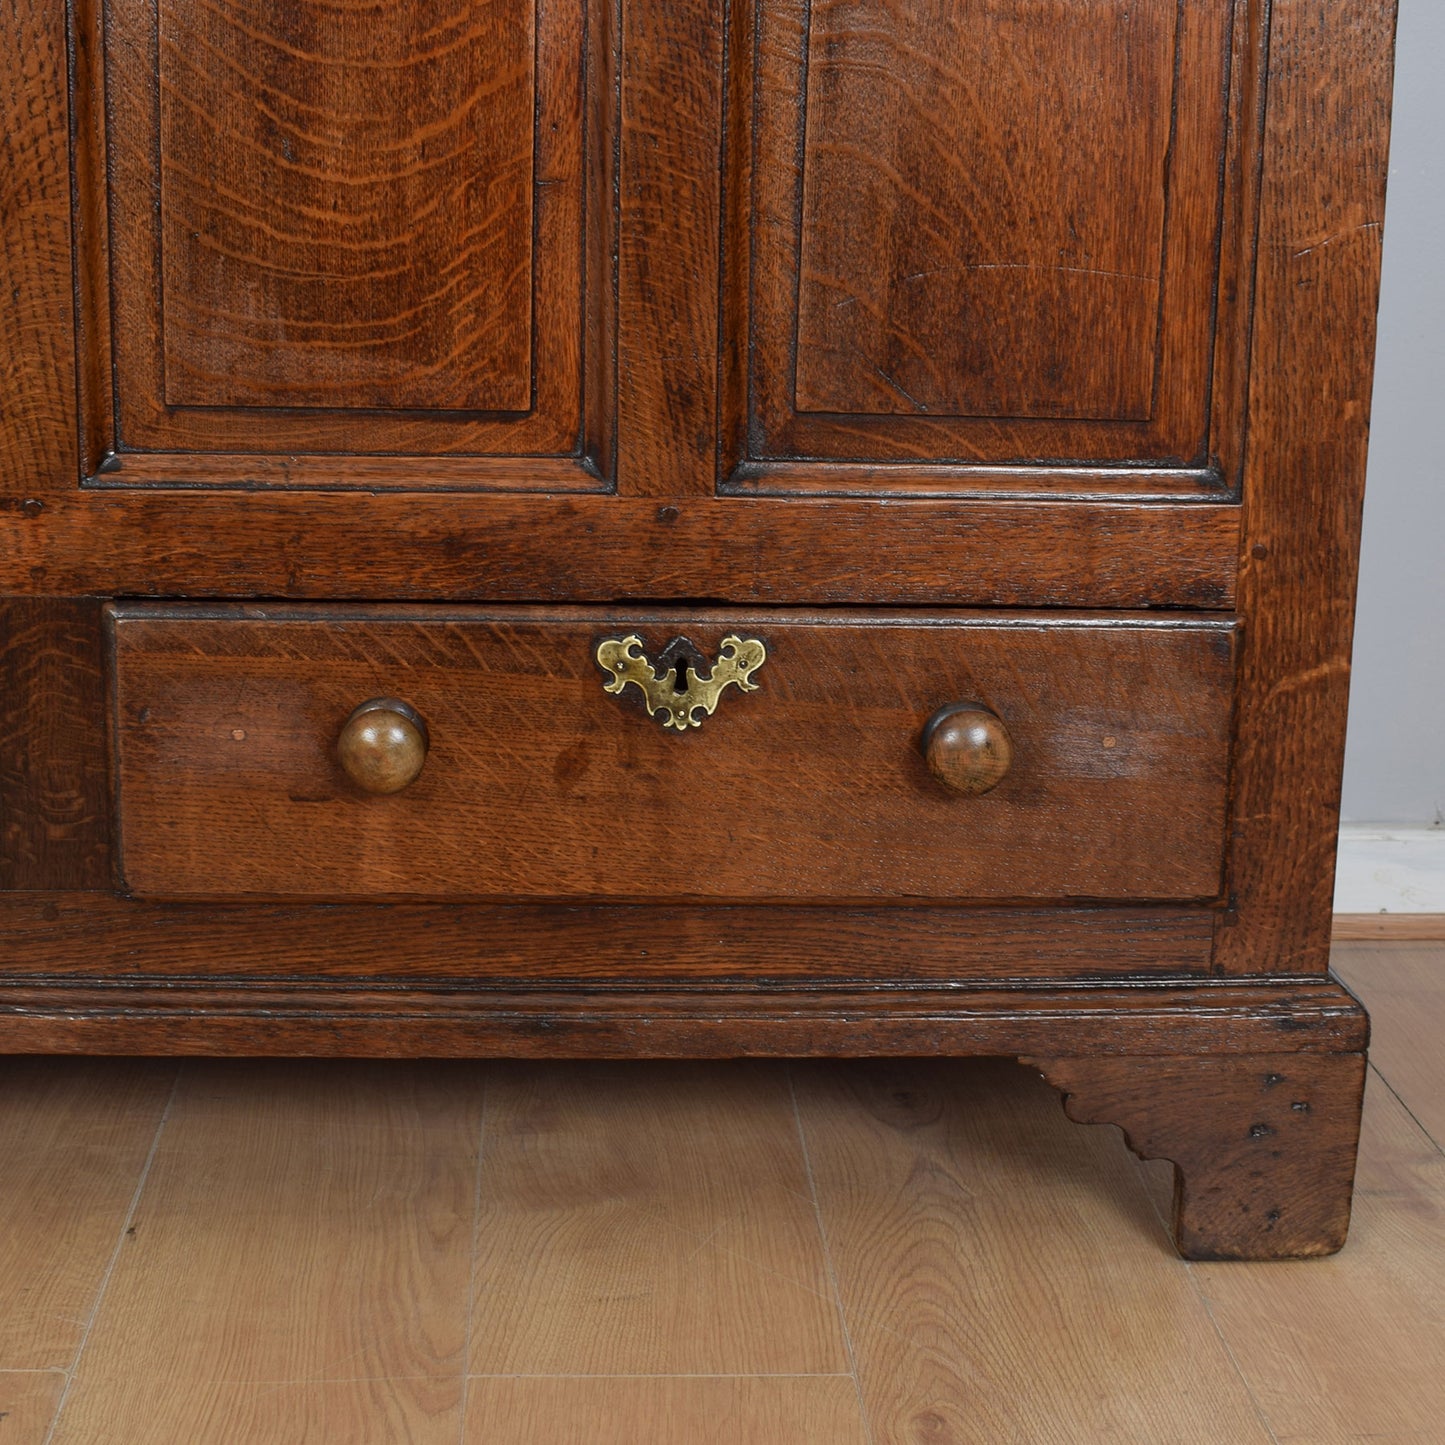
{"x": 382, "y": 745}
{"x": 968, "y": 748}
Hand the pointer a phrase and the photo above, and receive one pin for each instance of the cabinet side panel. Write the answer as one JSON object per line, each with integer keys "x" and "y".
{"x": 1322, "y": 199}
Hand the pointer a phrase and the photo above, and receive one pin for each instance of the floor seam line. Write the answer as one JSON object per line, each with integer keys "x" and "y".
{"x": 864, "y": 1418}
{"x": 475, "y": 1251}
{"x": 114, "y": 1260}
{"x": 1203, "y": 1299}
{"x": 682, "y": 1375}
{"x": 1395, "y": 1094}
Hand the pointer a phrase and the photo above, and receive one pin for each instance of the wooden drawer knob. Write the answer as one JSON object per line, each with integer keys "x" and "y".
{"x": 968, "y": 748}
{"x": 382, "y": 745}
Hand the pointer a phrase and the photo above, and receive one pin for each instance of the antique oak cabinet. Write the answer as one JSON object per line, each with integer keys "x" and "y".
{"x": 697, "y": 527}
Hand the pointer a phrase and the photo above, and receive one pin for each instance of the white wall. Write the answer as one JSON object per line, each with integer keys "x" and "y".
{"x": 1395, "y": 759}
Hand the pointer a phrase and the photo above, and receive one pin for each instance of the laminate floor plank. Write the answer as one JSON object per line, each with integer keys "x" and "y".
{"x": 1004, "y": 1275}
{"x": 678, "y": 1410}
{"x": 204, "y": 1411}
{"x": 298, "y": 1264}
{"x": 1403, "y": 987}
{"x": 74, "y": 1137}
{"x": 641, "y": 1219}
{"x": 28, "y": 1399}
{"x": 1351, "y": 1348}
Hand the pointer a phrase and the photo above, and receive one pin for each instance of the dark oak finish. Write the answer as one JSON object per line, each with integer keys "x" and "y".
{"x": 409, "y": 352}
{"x": 54, "y": 804}
{"x": 1263, "y": 1146}
{"x": 338, "y": 239}
{"x": 1223, "y": 1024}
{"x": 669, "y": 144}
{"x": 983, "y": 229}
{"x": 598, "y": 549}
{"x": 594, "y": 946}
{"x": 37, "y": 420}
{"x": 346, "y": 216}
{"x": 1321, "y": 209}
{"x": 540, "y": 783}
{"x": 986, "y": 234}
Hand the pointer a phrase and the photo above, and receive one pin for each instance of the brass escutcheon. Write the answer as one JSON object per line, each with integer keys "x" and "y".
{"x": 672, "y": 705}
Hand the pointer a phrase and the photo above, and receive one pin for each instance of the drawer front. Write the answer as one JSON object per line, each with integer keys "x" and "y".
{"x": 807, "y": 780}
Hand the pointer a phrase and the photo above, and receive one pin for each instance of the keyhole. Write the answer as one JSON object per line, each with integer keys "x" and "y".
{"x": 677, "y": 657}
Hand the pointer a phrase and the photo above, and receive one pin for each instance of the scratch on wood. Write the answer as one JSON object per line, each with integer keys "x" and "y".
{"x": 1337, "y": 236}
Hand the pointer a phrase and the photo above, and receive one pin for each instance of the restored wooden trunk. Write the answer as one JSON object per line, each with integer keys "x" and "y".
{"x": 656, "y": 527}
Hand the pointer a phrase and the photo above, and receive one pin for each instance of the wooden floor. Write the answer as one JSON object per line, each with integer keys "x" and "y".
{"x": 896, "y": 1253}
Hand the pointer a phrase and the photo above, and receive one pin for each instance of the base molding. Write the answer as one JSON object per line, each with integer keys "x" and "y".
{"x": 210, "y": 1017}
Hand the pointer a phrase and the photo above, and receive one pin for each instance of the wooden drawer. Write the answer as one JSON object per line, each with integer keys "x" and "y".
{"x": 540, "y": 783}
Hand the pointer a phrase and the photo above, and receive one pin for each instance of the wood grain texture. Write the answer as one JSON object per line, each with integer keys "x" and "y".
{"x": 332, "y": 1208}
{"x": 670, "y": 144}
{"x": 599, "y": 549}
{"x": 1322, "y": 198}
{"x": 94, "y": 399}
{"x": 27, "y": 1404}
{"x": 1348, "y": 1349}
{"x": 346, "y": 209}
{"x": 627, "y": 1225}
{"x": 1263, "y": 1146}
{"x": 664, "y": 1411}
{"x": 370, "y": 239}
{"x": 1001, "y": 1273}
{"x": 983, "y": 205}
{"x": 538, "y": 783}
{"x": 923, "y": 479}
{"x": 54, "y": 772}
{"x": 983, "y": 233}
{"x": 37, "y": 426}
{"x": 592, "y": 946}
{"x": 1239, "y": 238}
{"x": 1403, "y": 986}
{"x": 360, "y": 1411}
{"x": 296, "y": 1018}
{"x": 74, "y": 1138}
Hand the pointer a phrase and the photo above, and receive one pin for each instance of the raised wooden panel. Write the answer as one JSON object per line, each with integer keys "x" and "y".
{"x": 538, "y": 783}
{"x": 957, "y": 255}
{"x": 983, "y": 235}
{"x": 346, "y": 204}
{"x": 343, "y": 233}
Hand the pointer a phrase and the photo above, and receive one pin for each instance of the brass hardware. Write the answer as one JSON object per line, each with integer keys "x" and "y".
{"x": 624, "y": 659}
{"x": 967, "y": 748}
{"x": 382, "y": 745}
